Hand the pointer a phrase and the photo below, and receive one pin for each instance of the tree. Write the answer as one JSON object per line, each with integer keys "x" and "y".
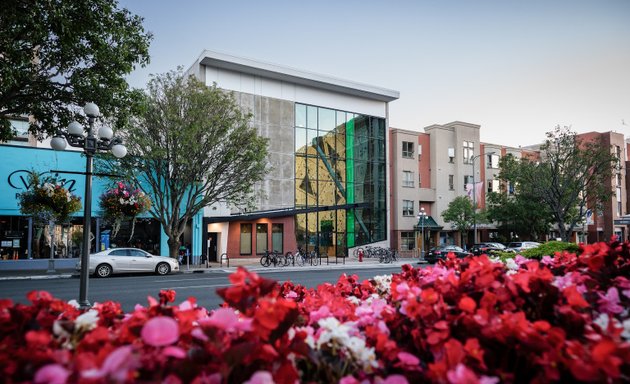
{"x": 56, "y": 55}
{"x": 516, "y": 214}
{"x": 191, "y": 147}
{"x": 570, "y": 174}
{"x": 460, "y": 214}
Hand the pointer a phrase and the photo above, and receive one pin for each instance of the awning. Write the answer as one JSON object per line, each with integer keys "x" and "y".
{"x": 428, "y": 224}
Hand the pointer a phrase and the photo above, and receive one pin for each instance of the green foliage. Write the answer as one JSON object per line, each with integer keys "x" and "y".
{"x": 461, "y": 215}
{"x": 558, "y": 184}
{"x": 190, "y": 147}
{"x": 59, "y": 54}
{"x": 47, "y": 199}
{"x": 517, "y": 214}
{"x": 549, "y": 249}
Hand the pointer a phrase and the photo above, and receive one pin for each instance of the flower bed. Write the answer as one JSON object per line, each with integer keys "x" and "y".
{"x": 561, "y": 319}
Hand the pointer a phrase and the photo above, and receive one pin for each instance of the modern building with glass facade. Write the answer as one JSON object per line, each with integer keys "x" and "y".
{"x": 328, "y": 150}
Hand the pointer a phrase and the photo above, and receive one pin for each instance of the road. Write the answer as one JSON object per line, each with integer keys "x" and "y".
{"x": 130, "y": 290}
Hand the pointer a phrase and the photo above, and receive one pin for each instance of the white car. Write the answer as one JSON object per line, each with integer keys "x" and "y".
{"x": 119, "y": 260}
{"x": 519, "y": 246}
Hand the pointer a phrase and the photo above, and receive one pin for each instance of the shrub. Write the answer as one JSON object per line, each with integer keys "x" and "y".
{"x": 549, "y": 249}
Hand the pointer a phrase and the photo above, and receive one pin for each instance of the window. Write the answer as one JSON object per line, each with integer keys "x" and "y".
{"x": 510, "y": 188}
{"x": 493, "y": 185}
{"x": 407, "y": 180}
{"x": 451, "y": 182}
{"x": 493, "y": 161}
{"x": 618, "y": 177}
{"x": 261, "y": 238}
{"x": 451, "y": 155}
{"x": 468, "y": 179}
{"x": 469, "y": 152}
{"x": 277, "y": 237}
{"x": 246, "y": 239}
{"x": 407, "y": 149}
{"x": 407, "y": 241}
{"x": 419, "y": 180}
{"x": 407, "y": 208}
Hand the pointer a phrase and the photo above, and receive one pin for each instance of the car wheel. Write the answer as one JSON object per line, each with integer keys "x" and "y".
{"x": 163, "y": 269}
{"x": 103, "y": 270}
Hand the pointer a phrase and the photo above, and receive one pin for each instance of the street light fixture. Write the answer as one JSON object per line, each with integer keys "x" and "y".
{"x": 474, "y": 190}
{"x": 422, "y": 215}
{"x": 104, "y": 141}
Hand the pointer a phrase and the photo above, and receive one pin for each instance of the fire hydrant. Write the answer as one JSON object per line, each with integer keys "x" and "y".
{"x": 360, "y": 255}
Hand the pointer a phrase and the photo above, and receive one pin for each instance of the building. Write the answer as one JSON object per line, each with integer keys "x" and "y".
{"x": 328, "y": 148}
{"x": 431, "y": 168}
{"x": 22, "y": 238}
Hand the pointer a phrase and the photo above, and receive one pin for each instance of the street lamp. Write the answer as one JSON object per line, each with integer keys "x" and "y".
{"x": 75, "y": 136}
{"x": 422, "y": 215}
{"x": 474, "y": 190}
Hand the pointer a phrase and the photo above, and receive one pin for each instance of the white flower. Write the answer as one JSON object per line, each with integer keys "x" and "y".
{"x": 626, "y": 329}
{"x": 87, "y": 320}
{"x": 511, "y": 264}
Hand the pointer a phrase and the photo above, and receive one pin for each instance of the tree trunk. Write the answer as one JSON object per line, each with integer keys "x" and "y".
{"x": 173, "y": 246}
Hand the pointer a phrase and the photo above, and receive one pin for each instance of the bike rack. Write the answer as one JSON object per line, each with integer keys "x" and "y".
{"x": 225, "y": 256}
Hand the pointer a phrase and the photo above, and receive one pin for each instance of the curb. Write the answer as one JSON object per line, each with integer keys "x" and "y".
{"x": 253, "y": 268}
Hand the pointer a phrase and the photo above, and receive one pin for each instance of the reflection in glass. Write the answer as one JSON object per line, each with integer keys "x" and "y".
{"x": 311, "y": 117}
{"x": 342, "y": 165}
{"x": 300, "y": 115}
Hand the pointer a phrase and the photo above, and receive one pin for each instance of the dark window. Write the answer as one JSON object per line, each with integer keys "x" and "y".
{"x": 261, "y": 238}
{"x": 246, "y": 239}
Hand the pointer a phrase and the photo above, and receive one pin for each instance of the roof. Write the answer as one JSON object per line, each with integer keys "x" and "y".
{"x": 429, "y": 223}
{"x": 291, "y": 75}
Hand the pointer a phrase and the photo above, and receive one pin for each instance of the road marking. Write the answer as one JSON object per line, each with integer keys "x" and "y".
{"x": 200, "y": 286}
{"x": 180, "y": 280}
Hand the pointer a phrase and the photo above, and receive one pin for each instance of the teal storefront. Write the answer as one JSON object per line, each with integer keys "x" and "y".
{"x": 22, "y": 238}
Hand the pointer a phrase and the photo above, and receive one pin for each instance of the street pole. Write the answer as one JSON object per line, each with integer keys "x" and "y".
{"x": 421, "y": 216}
{"x": 474, "y": 186}
{"x": 74, "y": 136}
{"x": 84, "y": 303}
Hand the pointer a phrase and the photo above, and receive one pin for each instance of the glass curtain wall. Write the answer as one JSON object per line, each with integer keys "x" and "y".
{"x": 339, "y": 179}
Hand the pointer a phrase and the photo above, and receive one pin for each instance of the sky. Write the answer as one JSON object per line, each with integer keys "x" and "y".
{"x": 516, "y": 68}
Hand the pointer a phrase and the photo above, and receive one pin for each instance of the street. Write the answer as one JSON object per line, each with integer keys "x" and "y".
{"x": 130, "y": 290}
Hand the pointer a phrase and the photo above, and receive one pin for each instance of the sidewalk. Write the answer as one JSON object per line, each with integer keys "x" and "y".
{"x": 64, "y": 268}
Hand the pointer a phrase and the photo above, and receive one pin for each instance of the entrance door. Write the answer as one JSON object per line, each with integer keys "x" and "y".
{"x": 212, "y": 246}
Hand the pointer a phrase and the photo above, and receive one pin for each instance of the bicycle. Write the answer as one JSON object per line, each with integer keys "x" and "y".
{"x": 272, "y": 257}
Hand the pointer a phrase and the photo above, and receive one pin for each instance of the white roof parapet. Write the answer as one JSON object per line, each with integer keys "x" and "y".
{"x": 291, "y": 75}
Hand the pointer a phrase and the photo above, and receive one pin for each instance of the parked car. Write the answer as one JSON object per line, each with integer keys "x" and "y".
{"x": 440, "y": 253}
{"x": 518, "y": 246}
{"x": 120, "y": 260}
{"x": 486, "y": 248}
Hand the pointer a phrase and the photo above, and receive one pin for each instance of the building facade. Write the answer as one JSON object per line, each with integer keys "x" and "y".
{"x": 327, "y": 189}
{"x": 458, "y": 160}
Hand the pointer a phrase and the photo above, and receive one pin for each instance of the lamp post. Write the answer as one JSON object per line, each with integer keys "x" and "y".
{"x": 422, "y": 215}
{"x": 474, "y": 187}
{"x": 91, "y": 143}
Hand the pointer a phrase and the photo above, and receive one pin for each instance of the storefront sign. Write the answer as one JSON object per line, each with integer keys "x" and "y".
{"x": 20, "y": 180}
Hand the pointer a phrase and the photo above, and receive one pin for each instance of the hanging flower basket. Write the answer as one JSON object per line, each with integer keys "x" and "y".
{"x": 47, "y": 199}
{"x": 123, "y": 202}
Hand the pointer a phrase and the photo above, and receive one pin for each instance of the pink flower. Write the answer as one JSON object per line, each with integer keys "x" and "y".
{"x": 546, "y": 260}
{"x": 227, "y": 320}
{"x": 172, "y": 351}
{"x": 160, "y": 331}
{"x": 116, "y": 366}
{"x": 395, "y": 379}
{"x": 408, "y": 359}
{"x": 461, "y": 375}
{"x": 348, "y": 380}
{"x": 260, "y": 377}
{"x": 321, "y": 313}
{"x": 610, "y": 302}
{"x": 52, "y": 374}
